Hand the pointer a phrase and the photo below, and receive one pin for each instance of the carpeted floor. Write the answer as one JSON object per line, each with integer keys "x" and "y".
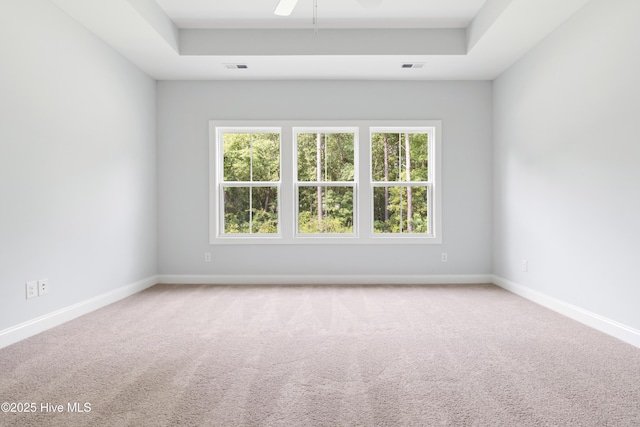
{"x": 454, "y": 355}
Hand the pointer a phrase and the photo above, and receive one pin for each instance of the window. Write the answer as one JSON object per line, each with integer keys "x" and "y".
{"x": 250, "y": 184}
{"x": 325, "y": 182}
{"x": 401, "y": 184}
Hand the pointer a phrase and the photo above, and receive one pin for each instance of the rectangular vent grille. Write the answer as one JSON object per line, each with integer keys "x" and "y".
{"x": 236, "y": 66}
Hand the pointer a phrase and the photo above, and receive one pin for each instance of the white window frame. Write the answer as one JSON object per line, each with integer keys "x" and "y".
{"x": 429, "y": 184}
{"x": 222, "y": 184}
{"x": 363, "y": 182}
{"x": 354, "y": 184}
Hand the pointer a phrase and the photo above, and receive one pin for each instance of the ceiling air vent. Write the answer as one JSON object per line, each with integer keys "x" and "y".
{"x": 236, "y": 66}
{"x": 414, "y": 65}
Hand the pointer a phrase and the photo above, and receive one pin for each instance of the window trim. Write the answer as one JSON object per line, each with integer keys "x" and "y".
{"x": 296, "y": 130}
{"x": 222, "y": 184}
{"x": 363, "y": 181}
{"x": 429, "y": 184}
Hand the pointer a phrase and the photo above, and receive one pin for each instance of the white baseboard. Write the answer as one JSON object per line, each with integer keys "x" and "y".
{"x": 596, "y": 321}
{"x": 320, "y": 279}
{"x": 40, "y": 324}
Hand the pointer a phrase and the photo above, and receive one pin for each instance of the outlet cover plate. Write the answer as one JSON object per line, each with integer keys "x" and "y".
{"x": 43, "y": 287}
{"x": 32, "y": 289}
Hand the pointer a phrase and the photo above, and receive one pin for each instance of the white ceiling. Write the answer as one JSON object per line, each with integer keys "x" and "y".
{"x": 195, "y": 39}
{"x": 331, "y": 13}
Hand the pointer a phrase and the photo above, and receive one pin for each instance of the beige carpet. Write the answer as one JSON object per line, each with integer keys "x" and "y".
{"x": 322, "y": 356}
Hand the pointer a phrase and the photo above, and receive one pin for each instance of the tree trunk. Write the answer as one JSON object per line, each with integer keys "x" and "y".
{"x": 386, "y": 177}
{"x": 319, "y": 177}
{"x": 409, "y": 189}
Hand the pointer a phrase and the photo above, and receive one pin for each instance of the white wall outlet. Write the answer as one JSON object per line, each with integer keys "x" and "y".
{"x": 32, "y": 289}
{"x": 525, "y": 265}
{"x": 207, "y": 257}
{"x": 43, "y": 287}
{"x": 444, "y": 257}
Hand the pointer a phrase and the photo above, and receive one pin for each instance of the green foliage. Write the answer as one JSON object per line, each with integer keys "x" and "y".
{"x": 336, "y": 215}
{"x": 397, "y": 210}
{"x": 251, "y": 157}
{"x": 390, "y": 204}
{"x": 336, "y": 157}
{"x": 396, "y": 162}
{"x": 324, "y": 158}
{"x": 262, "y": 217}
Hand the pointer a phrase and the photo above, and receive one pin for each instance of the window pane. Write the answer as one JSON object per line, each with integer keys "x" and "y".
{"x": 399, "y": 156}
{"x": 237, "y": 218}
{"x": 237, "y": 158}
{"x": 261, "y": 218}
{"x": 400, "y": 210}
{"x": 325, "y": 209}
{"x": 251, "y": 156}
{"x": 266, "y": 157}
{"x": 264, "y": 201}
{"x": 325, "y": 157}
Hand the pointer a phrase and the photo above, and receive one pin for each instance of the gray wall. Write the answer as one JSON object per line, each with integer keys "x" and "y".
{"x": 185, "y": 108}
{"x": 77, "y": 163}
{"x": 548, "y": 174}
{"x": 566, "y": 163}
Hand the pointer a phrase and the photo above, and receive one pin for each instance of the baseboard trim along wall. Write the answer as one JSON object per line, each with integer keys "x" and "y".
{"x": 40, "y": 324}
{"x": 313, "y": 279}
{"x": 596, "y": 321}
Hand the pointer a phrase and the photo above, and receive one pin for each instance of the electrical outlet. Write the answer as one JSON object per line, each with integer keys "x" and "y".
{"x": 32, "y": 289}
{"x": 444, "y": 257}
{"x": 525, "y": 265}
{"x": 43, "y": 287}
{"x": 207, "y": 257}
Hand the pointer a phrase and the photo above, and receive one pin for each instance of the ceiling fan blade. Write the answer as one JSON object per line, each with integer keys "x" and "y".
{"x": 285, "y": 7}
{"x": 370, "y": 4}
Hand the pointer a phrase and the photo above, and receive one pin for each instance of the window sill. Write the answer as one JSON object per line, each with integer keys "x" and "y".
{"x": 322, "y": 240}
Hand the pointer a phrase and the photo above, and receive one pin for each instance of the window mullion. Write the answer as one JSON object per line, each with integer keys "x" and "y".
{"x": 287, "y": 190}
{"x": 326, "y": 183}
